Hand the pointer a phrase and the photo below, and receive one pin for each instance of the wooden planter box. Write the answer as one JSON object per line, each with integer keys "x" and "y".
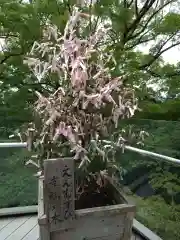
{"x": 58, "y": 219}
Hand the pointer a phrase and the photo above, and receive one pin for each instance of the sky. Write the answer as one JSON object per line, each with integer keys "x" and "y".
{"x": 172, "y": 56}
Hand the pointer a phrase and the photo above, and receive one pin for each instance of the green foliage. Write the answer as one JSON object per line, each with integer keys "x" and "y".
{"x": 160, "y": 217}
{"x": 18, "y": 186}
{"x": 168, "y": 110}
{"x": 169, "y": 24}
{"x": 166, "y": 181}
{"x": 163, "y": 135}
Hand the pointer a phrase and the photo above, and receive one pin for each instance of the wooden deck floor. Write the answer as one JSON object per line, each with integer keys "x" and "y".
{"x": 23, "y": 228}
{"x": 26, "y": 228}
{"x": 19, "y": 228}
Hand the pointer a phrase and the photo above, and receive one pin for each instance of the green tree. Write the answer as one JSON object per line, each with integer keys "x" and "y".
{"x": 130, "y": 23}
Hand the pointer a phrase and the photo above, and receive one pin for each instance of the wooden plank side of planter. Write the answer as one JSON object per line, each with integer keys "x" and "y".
{"x": 59, "y": 192}
{"x": 111, "y": 222}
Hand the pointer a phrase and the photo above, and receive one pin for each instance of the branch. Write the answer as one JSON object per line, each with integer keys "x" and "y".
{"x": 36, "y": 86}
{"x": 139, "y": 41}
{"x": 9, "y": 35}
{"x": 149, "y": 20}
{"x": 148, "y": 4}
{"x": 15, "y": 54}
{"x": 136, "y": 8}
{"x": 90, "y": 12}
{"x": 69, "y": 7}
{"x": 168, "y": 75}
{"x": 130, "y": 3}
{"x": 155, "y": 57}
{"x": 9, "y": 56}
{"x": 126, "y": 4}
{"x": 165, "y": 42}
{"x": 96, "y": 24}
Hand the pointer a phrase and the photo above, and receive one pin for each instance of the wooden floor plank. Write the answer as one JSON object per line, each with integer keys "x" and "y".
{"x": 24, "y": 229}
{"x": 5, "y": 221}
{"x": 33, "y": 234}
{"x": 12, "y": 226}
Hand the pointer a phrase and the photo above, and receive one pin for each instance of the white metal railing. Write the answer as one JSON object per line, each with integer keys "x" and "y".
{"x": 132, "y": 149}
{"x": 148, "y": 153}
{"x": 14, "y": 145}
{"x": 152, "y": 154}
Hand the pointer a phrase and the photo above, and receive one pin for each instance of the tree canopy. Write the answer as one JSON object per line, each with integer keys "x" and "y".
{"x": 131, "y": 24}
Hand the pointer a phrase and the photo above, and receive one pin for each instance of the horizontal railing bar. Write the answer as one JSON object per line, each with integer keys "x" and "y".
{"x": 152, "y": 154}
{"x": 13, "y": 145}
{"x": 147, "y": 153}
{"x": 133, "y": 149}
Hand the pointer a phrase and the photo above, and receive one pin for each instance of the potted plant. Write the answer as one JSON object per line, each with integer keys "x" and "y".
{"x": 77, "y": 192}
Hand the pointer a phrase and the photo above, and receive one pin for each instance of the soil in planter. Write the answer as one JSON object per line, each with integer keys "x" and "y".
{"x": 95, "y": 197}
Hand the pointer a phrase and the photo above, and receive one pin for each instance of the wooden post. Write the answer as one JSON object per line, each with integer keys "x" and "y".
{"x": 59, "y": 192}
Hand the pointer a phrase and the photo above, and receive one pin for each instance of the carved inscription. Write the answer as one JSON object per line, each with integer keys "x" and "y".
{"x": 68, "y": 191}
{"x": 59, "y": 191}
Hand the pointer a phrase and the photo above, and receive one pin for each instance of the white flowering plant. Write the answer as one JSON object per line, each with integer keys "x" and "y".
{"x": 75, "y": 119}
